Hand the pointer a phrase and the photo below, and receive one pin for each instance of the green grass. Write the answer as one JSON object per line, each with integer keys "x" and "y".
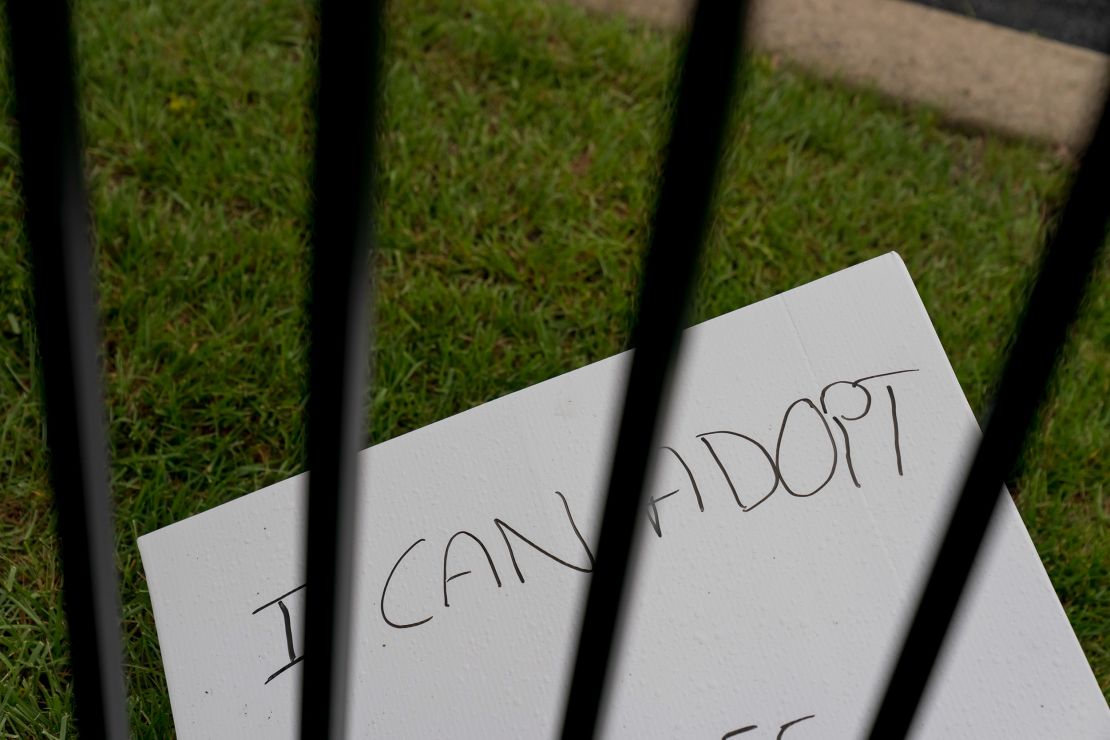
{"x": 518, "y": 153}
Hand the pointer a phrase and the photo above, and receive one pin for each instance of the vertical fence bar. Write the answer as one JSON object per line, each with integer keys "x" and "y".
{"x": 346, "y": 104}
{"x": 65, "y": 314}
{"x": 681, "y": 214}
{"x": 1071, "y": 255}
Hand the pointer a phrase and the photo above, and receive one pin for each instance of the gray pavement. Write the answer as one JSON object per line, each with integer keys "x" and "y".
{"x": 975, "y": 73}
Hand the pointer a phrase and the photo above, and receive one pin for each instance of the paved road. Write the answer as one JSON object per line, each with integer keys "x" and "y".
{"x": 1079, "y": 22}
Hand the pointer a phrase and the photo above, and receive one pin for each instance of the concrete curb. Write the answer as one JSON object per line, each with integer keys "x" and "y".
{"x": 975, "y": 73}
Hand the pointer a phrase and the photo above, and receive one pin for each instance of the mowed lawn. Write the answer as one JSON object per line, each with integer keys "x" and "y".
{"x": 519, "y": 147}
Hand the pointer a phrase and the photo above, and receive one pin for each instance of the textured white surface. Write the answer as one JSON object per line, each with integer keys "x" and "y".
{"x": 791, "y": 608}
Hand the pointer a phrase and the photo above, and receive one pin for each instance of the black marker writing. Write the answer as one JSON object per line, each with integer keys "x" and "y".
{"x": 778, "y": 448}
{"x": 512, "y": 555}
{"x": 894, "y": 423}
{"x": 782, "y": 728}
{"x": 838, "y": 419}
{"x": 748, "y": 469}
{"x": 847, "y": 451}
{"x": 653, "y": 501}
{"x": 287, "y": 622}
{"x": 791, "y": 723}
{"x": 385, "y": 589}
{"x": 841, "y": 418}
{"x": 653, "y": 511}
{"x": 446, "y": 550}
{"x": 776, "y": 478}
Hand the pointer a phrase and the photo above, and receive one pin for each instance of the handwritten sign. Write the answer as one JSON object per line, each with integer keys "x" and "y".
{"x": 810, "y": 459}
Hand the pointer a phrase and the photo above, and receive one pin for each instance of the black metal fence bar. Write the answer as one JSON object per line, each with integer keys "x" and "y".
{"x": 57, "y": 230}
{"x": 346, "y": 101}
{"x": 1070, "y": 257}
{"x": 689, "y": 175}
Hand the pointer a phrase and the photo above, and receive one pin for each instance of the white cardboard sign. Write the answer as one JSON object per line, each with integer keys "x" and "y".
{"x": 812, "y": 452}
